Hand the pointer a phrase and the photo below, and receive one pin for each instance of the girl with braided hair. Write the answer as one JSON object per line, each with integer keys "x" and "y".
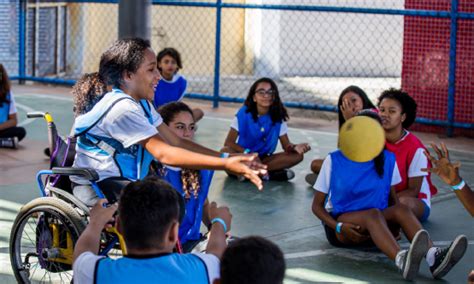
{"x": 193, "y": 185}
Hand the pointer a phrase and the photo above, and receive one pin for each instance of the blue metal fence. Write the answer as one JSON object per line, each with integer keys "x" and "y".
{"x": 233, "y": 81}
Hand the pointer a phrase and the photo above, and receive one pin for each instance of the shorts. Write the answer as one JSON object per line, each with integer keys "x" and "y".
{"x": 426, "y": 212}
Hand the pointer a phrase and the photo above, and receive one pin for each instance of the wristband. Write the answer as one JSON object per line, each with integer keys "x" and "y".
{"x": 225, "y": 155}
{"x": 338, "y": 227}
{"x": 459, "y": 186}
{"x": 222, "y": 222}
{"x": 246, "y": 151}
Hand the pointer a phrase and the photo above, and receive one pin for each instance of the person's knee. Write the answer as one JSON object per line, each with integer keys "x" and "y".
{"x": 401, "y": 210}
{"x": 374, "y": 215}
{"x": 21, "y": 133}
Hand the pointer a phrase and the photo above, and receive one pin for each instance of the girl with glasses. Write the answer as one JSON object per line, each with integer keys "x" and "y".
{"x": 259, "y": 125}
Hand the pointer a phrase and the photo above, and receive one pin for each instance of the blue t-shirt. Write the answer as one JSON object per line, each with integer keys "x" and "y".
{"x": 170, "y": 91}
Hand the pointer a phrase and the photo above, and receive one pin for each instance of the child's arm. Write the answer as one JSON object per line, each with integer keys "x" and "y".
{"x": 449, "y": 174}
{"x": 393, "y": 198}
{"x": 11, "y": 122}
{"x": 230, "y": 141}
{"x": 90, "y": 238}
{"x": 175, "y": 156}
{"x": 414, "y": 187}
{"x": 206, "y": 218}
{"x": 290, "y": 147}
{"x": 217, "y": 239}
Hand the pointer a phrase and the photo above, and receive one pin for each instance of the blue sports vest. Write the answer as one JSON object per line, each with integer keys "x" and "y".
{"x": 357, "y": 186}
{"x": 169, "y": 91}
{"x": 134, "y": 161}
{"x": 260, "y": 137}
{"x": 189, "y": 228}
{"x": 168, "y": 268}
{"x": 5, "y": 109}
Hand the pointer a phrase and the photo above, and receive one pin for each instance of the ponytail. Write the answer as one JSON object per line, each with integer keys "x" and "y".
{"x": 87, "y": 91}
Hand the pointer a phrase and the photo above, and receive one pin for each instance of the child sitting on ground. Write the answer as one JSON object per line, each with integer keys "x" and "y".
{"x": 351, "y": 100}
{"x": 398, "y": 113}
{"x": 252, "y": 260}
{"x": 192, "y": 185}
{"x": 10, "y": 133}
{"x": 172, "y": 86}
{"x": 259, "y": 125}
{"x": 359, "y": 179}
{"x": 148, "y": 219}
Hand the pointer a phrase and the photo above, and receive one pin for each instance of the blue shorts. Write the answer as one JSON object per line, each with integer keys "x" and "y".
{"x": 426, "y": 212}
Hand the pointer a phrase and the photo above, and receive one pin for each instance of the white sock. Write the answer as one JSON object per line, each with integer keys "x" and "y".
{"x": 430, "y": 256}
{"x": 399, "y": 258}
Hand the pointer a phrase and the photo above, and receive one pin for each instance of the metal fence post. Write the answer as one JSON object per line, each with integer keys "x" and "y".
{"x": 135, "y": 19}
{"x": 217, "y": 60}
{"x": 21, "y": 41}
{"x": 452, "y": 67}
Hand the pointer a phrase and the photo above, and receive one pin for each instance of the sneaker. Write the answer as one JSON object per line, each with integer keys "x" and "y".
{"x": 408, "y": 261}
{"x": 10, "y": 142}
{"x": 446, "y": 258}
{"x": 281, "y": 175}
{"x": 311, "y": 178}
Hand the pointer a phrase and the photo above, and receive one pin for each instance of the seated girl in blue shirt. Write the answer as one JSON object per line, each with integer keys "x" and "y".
{"x": 259, "y": 125}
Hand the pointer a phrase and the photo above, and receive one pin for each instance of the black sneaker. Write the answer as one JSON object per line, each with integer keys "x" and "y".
{"x": 281, "y": 175}
{"x": 446, "y": 258}
{"x": 409, "y": 264}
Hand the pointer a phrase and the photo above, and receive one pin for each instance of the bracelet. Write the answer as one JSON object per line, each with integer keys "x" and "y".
{"x": 246, "y": 151}
{"x": 459, "y": 186}
{"x": 225, "y": 155}
{"x": 338, "y": 227}
{"x": 222, "y": 222}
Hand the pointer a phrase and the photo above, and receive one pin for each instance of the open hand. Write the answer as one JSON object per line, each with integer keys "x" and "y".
{"x": 102, "y": 213}
{"x": 242, "y": 165}
{"x": 302, "y": 148}
{"x": 347, "y": 109}
{"x": 443, "y": 167}
{"x": 354, "y": 233}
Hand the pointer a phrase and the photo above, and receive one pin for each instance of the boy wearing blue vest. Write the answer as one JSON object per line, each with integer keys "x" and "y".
{"x": 148, "y": 219}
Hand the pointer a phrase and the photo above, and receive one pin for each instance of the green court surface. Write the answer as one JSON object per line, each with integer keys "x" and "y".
{"x": 281, "y": 212}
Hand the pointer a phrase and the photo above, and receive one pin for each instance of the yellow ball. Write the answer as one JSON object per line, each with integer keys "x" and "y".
{"x": 361, "y": 139}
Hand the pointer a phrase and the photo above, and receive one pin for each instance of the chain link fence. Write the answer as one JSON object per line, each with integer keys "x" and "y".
{"x": 313, "y": 49}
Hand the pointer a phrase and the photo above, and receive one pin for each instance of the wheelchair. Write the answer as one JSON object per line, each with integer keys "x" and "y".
{"x": 46, "y": 229}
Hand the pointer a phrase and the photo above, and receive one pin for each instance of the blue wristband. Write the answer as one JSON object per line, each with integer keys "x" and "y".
{"x": 338, "y": 227}
{"x": 459, "y": 186}
{"x": 225, "y": 155}
{"x": 222, "y": 222}
{"x": 246, "y": 151}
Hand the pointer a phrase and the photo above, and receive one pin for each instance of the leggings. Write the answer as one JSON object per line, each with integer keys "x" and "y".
{"x": 18, "y": 132}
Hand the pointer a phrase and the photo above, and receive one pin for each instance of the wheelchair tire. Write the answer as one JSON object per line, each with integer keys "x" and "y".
{"x": 50, "y": 227}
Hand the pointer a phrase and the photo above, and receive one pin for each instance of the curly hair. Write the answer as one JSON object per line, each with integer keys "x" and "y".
{"x": 366, "y": 103}
{"x": 173, "y": 53}
{"x": 406, "y": 101}
{"x": 278, "y": 112}
{"x": 87, "y": 91}
{"x": 123, "y": 55}
{"x": 4, "y": 85}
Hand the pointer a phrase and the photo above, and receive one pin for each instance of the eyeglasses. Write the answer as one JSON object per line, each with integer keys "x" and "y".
{"x": 262, "y": 92}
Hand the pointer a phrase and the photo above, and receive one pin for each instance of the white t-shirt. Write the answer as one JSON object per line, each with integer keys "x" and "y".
{"x": 420, "y": 162}
{"x": 283, "y": 128}
{"x": 84, "y": 267}
{"x": 324, "y": 179}
{"x": 12, "y": 109}
{"x": 126, "y": 123}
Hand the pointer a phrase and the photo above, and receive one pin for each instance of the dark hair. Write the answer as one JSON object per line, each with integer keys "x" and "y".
{"x": 169, "y": 110}
{"x": 4, "y": 85}
{"x": 252, "y": 260}
{"x": 123, "y": 55}
{"x": 366, "y": 103}
{"x": 87, "y": 91}
{"x": 170, "y": 52}
{"x": 147, "y": 208}
{"x": 277, "y": 110}
{"x": 406, "y": 101}
{"x": 379, "y": 160}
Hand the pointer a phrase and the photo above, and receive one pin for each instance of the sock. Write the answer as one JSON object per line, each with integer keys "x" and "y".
{"x": 400, "y": 258}
{"x": 430, "y": 256}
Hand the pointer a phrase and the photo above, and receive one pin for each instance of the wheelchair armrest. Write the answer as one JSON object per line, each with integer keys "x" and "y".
{"x": 86, "y": 173}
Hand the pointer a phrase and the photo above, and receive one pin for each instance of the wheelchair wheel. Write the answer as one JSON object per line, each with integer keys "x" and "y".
{"x": 42, "y": 241}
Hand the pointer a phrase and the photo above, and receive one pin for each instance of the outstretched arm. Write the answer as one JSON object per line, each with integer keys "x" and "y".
{"x": 449, "y": 174}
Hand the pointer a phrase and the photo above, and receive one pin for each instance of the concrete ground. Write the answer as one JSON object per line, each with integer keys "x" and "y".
{"x": 281, "y": 212}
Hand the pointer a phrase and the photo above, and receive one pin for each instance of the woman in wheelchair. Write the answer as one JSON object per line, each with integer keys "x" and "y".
{"x": 192, "y": 185}
{"x": 121, "y": 134}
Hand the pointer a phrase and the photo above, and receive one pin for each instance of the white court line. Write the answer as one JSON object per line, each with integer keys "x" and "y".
{"x": 351, "y": 253}
{"x": 44, "y": 96}
{"x": 26, "y": 109}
